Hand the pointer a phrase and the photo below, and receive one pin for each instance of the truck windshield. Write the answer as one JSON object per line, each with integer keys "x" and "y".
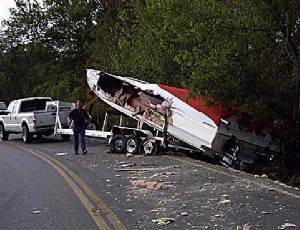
{"x": 33, "y": 105}
{"x": 2, "y": 106}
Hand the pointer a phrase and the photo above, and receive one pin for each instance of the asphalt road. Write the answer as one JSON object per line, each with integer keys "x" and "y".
{"x": 102, "y": 190}
{"x": 28, "y": 186}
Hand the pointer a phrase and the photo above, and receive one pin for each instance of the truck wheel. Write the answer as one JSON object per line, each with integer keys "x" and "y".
{"x": 148, "y": 147}
{"x": 65, "y": 137}
{"x": 132, "y": 144}
{"x": 3, "y": 134}
{"x": 26, "y": 135}
{"x": 116, "y": 144}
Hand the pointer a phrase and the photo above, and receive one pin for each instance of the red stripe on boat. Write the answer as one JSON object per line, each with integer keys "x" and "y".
{"x": 214, "y": 111}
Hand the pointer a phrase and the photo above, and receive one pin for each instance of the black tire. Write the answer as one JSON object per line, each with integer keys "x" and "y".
{"x": 65, "y": 137}
{"x": 3, "y": 134}
{"x": 148, "y": 147}
{"x": 131, "y": 144}
{"x": 116, "y": 144}
{"x": 26, "y": 135}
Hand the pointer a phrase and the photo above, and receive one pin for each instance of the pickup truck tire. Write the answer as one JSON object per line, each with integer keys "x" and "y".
{"x": 116, "y": 144}
{"x": 3, "y": 134}
{"x": 65, "y": 137}
{"x": 132, "y": 144}
{"x": 26, "y": 135}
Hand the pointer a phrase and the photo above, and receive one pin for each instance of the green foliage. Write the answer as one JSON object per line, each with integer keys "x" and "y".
{"x": 240, "y": 53}
{"x": 43, "y": 48}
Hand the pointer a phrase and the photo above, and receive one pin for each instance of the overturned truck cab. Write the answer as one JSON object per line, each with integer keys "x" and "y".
{"x": 180, "y": 121}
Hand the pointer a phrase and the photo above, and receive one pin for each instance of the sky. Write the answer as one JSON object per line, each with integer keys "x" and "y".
{"x": 4, "y": 8}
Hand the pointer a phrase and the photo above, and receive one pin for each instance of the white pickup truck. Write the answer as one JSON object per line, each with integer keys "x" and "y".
{"x": 30, "y": 117}
{"x": 3, "y": 108}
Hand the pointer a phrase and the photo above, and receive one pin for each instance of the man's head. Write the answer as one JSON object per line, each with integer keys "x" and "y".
{"x": 78, "y": 104}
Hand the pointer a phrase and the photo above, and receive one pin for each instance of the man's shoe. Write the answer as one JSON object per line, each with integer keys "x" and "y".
{"x": 84, "y": 152}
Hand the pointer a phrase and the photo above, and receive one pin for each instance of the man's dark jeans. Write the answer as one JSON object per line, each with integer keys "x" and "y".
{"x": 79, "y": 133}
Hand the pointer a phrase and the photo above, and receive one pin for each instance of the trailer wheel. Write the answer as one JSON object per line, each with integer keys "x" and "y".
{"x": 116, "y": 144}
{"x": 132, "y": 144}
{"x": 65, "y": 137}
{"x": 148, "y": 147}
{"x": 26, "y": 135}
{"x": 3, "y": 134}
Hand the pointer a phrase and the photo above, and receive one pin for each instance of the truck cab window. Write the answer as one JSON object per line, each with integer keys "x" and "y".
{"x": 33, "y": 105}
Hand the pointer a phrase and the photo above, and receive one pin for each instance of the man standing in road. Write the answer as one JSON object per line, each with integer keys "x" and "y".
{"x": 78, "y": 119}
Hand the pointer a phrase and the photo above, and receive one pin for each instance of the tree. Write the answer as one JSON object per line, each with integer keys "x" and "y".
{"x": 47, "y": 46}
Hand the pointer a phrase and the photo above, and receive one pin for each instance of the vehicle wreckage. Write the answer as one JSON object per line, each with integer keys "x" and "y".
{"x": 175, "y": 120}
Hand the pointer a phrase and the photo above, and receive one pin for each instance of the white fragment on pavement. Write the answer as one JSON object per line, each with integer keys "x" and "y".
{"x": 158, "y": 210}
{"x": 163, "y": 220}
{"x": 154, "y": 175}
{"x": 129, "y": 210}
{"x": 60, "y": 154}
{"x": 225, "y": 201}
{"x": 108, "y": 180}
{"x": 36, "y": 212}
{"x": 288, "y": 226}
{"x": 93, "y": 166}
{"x": 127, "y": 165}
{"x": 265, "y": 212}
{"x": 264, "y": 176}
{"x": 184, "y": 214}
{"x": 225, "y": 195}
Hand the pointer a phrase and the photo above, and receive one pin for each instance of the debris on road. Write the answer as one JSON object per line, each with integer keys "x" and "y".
{"x": 143, "y": 169}
{"x": 225, "y": 195}
{"x": 225, "y": 201}
{"x": 158, "y": 210}
{"x": 60, "y": 154}
{"x": 264, "y": 176}
{"x": 147, "y": 164}
{"x": 93, "y": 166}
{"x": 36, "y": 212}
{"x": 163, "y": 220}
{"x": 133, "y": 169}
{"x": 95, "y": 210}
{"x": 288, "y": 226}
{"x": 151, "y": 185}
{"x": 127, "y": 165}
{"x": 265, "y": 212}
{"x": 154, "y": 175}
{"x": 129, "y": 155}
{"x": 244, "y": 227}
{"x": 184, "y": 214}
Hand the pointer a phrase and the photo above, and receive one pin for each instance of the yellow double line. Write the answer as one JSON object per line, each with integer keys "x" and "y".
{"x": 89, "y": 199}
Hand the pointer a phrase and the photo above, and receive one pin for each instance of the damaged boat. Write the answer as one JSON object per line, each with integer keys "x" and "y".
{"x": 180, "y": 120}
